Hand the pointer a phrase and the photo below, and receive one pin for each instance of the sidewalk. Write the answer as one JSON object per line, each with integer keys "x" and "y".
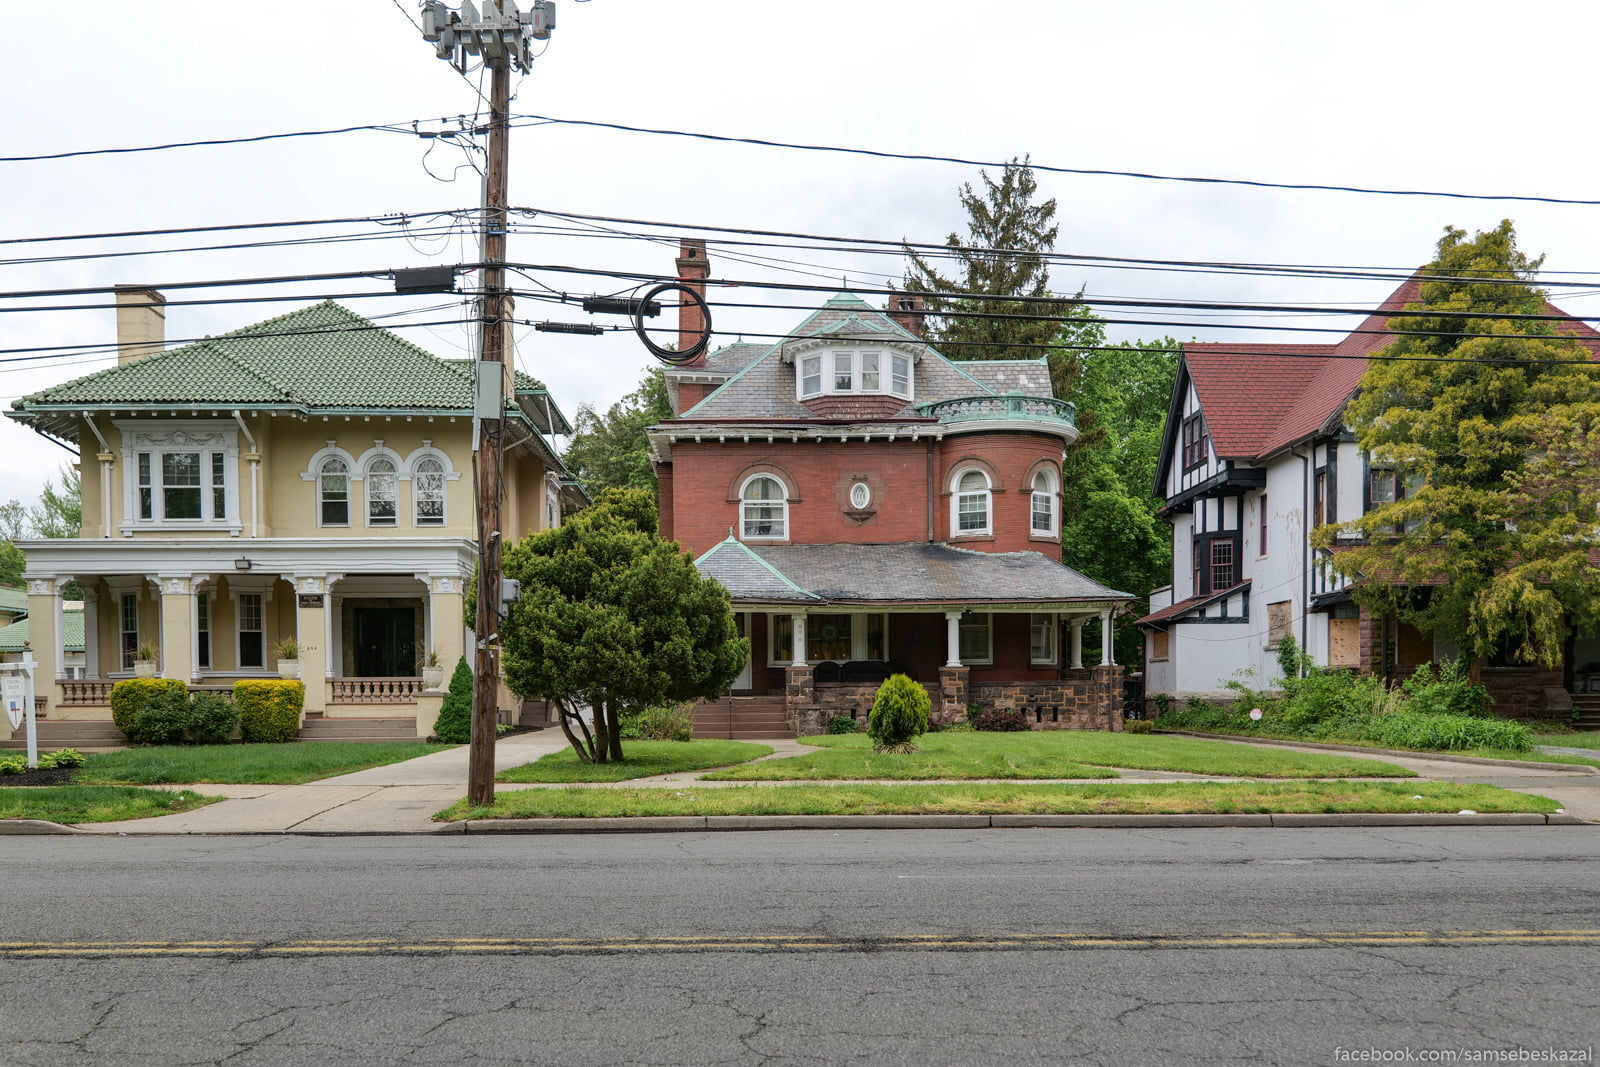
{"x": 402, "y": 797}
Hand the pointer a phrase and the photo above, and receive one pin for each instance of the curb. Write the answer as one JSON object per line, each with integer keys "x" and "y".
{"x": 1443, "y": 757}
{"x": 20, "y": 827}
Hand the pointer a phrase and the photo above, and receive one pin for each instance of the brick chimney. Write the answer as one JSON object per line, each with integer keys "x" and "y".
{"x": 693, "y": 270}
{"x": 906, "y": 310}
{"x": 141, "y": 322}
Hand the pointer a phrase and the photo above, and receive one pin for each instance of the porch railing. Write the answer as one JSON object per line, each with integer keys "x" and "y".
{"x": 87, "y": 692}
{"x": 375, "y": 690}
{"x": 1009, "y": 407}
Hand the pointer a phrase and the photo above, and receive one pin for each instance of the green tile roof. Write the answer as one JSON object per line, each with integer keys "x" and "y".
{"x": 13, "y": 599}
{"x": 12, "y": 637}
{"x": 321, "y": 357}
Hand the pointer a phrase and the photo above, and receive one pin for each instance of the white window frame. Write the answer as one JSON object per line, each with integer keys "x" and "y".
{"x": 956, "y": 495}
{"x": 322, "y": 500}
{"x": 157, "y": 439}
{"x": 418, "y": 494}
{"x": 819, "y": 373}
{"x": 965, "y": 626}
{"x": 782, "y": 503}
{"x": 369, "y": 474}
{"x": 1048, "y": 496}
{"x": 239, "y": 629}
{"x": 128, "y": 651}
{"x": 1046, "y": 619}
{"x": 203, "y": 629}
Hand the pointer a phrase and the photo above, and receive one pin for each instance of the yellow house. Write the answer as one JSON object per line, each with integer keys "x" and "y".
{"x": 307, "y": 477}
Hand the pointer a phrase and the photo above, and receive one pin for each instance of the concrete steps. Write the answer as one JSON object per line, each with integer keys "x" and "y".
{"x": 1586, "y": 711}
{"x": 753, "y": 718}
{"x": 85, "y": 735}
{"x": 324, "y": 728}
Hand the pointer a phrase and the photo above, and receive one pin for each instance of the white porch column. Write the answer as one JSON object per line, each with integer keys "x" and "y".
{"x": 952, "y": 638}
{"x": 797, "y": 623}
{"x": 194, "y": 627}
{"x": 1077, "y": 643}
{"x": 91, "y": 627}
{"x": 1106, "y": 657}
{"x": 61, "y": 631}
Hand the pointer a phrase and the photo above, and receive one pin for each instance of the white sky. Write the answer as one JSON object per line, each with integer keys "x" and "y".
{"x": 1469, "y": 97}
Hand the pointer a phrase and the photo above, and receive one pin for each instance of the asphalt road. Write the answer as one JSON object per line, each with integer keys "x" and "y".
{"x": 930, "y": 947}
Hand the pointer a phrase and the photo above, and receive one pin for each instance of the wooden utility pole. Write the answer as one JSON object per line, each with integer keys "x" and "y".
{"x": 500, "y": 36}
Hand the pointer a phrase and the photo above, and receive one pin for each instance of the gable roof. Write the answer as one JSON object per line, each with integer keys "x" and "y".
{"x": 1259, "y": 399}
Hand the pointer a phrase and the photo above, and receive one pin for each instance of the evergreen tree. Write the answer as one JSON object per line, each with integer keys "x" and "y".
{"x": 1003, "y": 255}
{"x": 1488, "y": 445}
{"x": 454, "y": 724}
{"x": 610, "y": 451}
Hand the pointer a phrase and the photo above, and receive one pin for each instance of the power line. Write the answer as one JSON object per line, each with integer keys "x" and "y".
{"x": 1084, "y": 171}
{"x": 389, "y": 127}
{"x": 398, "y": 218}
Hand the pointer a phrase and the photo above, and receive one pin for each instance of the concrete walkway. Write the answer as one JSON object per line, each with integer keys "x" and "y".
{"x": 402, "y": 797}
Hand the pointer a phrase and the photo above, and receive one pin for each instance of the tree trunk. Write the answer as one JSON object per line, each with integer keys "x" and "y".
{"x": 614, "y": 733}
{"x": 583, "y": 748}
{"x": 1475, "y": 672}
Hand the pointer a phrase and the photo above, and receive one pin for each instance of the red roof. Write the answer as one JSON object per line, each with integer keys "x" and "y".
{"x": 1261, "y": 398}
{"x": 1199, "y": 600}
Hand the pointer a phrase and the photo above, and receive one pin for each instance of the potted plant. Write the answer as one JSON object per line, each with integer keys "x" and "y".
{"x": 432, "y": 670}
{"x": 288, "y": 653}
{"x": 144, "y": 660}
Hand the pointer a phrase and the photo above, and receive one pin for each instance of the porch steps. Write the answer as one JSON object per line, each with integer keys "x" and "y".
{"x": 752, "y": 718}
{"x": 324, "y": 728}
{"x": 85, "y": 735}
{"x": 1586, "y": 711}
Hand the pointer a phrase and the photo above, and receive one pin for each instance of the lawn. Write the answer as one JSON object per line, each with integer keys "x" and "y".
{"x": 1051, "y": 754}
{"x": 1576, "y": 739}
{"x": 1005, "y": 799}
{"x": 289, "y": 763}
{"x": 1573, "y": 740}
{"x": 95, "y": 803}
{"x": 640, "y": 759}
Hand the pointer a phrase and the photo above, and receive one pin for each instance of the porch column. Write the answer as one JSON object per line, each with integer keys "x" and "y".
{"x": 798, "y": 625}
{"x": 194, "y": 628}
{"x": 310, "y": 628}
{"x": 177, "y": 630}
{"x": 952, "y": 638}
{"x": 1077, "y": 643}
{"x": 1107, "y": 659}
{"x": 44, "y": 638}
{"x": 91, "y": 627}
{"x": 444, "y": 612}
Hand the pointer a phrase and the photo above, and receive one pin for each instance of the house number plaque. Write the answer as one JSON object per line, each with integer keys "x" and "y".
{"x": 310, "y": 600}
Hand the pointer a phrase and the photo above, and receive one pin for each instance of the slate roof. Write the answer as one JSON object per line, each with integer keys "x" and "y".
{"x": 1031, "y": 377}
{"x": 915, "y": 573}
{"x": 1261, "y": 398}
{"x": 13, "y": 637}
{"x": 765, "y": 387}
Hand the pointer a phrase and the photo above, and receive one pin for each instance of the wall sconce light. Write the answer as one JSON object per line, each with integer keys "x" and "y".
{"x": 242, "y": 563}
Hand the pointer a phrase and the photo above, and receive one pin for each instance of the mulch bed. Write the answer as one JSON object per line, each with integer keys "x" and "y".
{"x": 53, "y": 776}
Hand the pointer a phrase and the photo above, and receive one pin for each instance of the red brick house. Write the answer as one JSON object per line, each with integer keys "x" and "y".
{"x": 874, "y": 507}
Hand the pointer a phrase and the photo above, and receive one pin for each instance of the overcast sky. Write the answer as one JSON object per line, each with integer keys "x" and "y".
{"x": 1463, "y": 97}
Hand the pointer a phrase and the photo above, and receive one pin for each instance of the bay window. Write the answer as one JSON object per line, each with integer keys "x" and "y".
{"x": 851, "y": 371}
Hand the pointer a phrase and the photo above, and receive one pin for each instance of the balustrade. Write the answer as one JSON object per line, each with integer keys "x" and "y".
{"x": 375, "y": 690}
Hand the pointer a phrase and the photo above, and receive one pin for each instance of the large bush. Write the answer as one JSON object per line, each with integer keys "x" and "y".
{"x": 454, "y": 724}
{"x": 172, "y": 717}
{"x": 669, "y": 722}
{"x": 1447, "y": 691}
{"x": 998, "y": 720}
{"x": 128, "y": 698}
{"x": 269, "y": 709}
{"x": 899, "y": 713}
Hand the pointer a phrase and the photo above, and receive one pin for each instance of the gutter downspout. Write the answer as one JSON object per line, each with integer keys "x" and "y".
{"x": 106, "y": 457}
{"x": 1305, "y": 543}
{"x": 255, "y": 470}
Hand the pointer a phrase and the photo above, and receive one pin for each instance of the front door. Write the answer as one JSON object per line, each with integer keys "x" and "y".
{"x": 386, "y": 642}
{"x": 741, "y": 621}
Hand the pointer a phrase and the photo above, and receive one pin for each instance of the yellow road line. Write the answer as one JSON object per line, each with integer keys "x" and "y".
{"x": 793, "y": 943}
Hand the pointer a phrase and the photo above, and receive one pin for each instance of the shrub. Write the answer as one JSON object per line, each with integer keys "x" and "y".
{"x": 15, "y": 765}
{"x": 1446, "y": 692}
{"x": 454, "y": 724}
{"x": 269, "y": 709}
{"x": 63, "y": 757}
{"x": 129, "y": 697}
{"x": 899, "y": 713}
{"x": 843, "y": 724}
{"x": 212, "y": 719}
{"x": 670, "y": 723}
{"x": 1138, "y": 726}
{"x": 1446, "y": 733}
{"x": 174, "y": 718}
{"x": 999, "y": 720}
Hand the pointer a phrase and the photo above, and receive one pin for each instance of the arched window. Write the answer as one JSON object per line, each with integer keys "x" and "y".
{"x": 972, "y": 503}
{"x": 427, "y": 491}
{"x": 381, "y": 490}
{"x": 764, "y": 508}
{"x": 1044, "y": 503}
{"x": 333, "y": 492}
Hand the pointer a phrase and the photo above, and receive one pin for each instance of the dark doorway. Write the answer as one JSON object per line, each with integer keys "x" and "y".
{"x": 386, "y": 642}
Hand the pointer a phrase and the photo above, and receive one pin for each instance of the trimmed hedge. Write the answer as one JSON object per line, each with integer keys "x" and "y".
{"x": 128, "y": 698}
{"x": 269, "y": 709}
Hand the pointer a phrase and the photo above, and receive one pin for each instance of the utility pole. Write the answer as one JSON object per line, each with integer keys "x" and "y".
{"x": 500, "y": 36}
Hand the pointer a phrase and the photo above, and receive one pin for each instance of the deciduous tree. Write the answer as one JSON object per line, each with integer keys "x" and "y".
{"x": 610, "y": 451}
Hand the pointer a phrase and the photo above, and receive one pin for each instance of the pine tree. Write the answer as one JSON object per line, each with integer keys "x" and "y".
{"x": 1003, "y": 255}
{"x": 454, "y": 724}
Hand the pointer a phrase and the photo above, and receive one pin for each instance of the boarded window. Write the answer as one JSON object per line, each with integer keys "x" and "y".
{"x": 1344, "y": 642}
{"x": 1159, "y": 643}
{"x": 1278, "y": 616}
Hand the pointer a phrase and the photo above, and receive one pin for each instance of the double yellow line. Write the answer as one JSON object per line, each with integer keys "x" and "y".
{"x": 561, "y": 946}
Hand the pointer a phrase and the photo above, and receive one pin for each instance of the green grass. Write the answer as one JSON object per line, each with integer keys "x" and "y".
{"x": 289, "y": 763}
{"x": 1051, "y": 754}
{"x": 1575, "y": 739}
{"x": 640, "y": 759}
{"x": 1004, "y": 799}
{"x": 95, "y": 803}
{"x": 1533, "y": 756}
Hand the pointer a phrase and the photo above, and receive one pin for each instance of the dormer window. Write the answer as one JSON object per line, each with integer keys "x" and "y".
{"x": 850, "y": 371}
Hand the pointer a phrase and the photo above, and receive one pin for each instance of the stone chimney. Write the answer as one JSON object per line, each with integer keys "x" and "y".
{"x": 141, "y": 322}
{"x": 693, "y": 270}
{"x": 906, "y": 310}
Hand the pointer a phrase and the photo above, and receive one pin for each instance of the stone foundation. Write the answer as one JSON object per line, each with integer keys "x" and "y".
{"x": 1088, "y": 699}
